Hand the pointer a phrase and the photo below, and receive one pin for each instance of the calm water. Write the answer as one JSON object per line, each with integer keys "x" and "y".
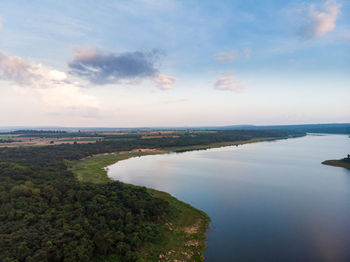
{"x": 270, "y": 201}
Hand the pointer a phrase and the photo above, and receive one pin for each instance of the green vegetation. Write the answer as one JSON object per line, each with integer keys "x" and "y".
{"x": 183, "y": 234}
{"x": 184, "y": 227}
{"x": 6, "y": 139}
{"x": 79, "y": 139}
{"x": 91, "y": 169}
{"x": 222, "y": 144}
{"x": 49, "y": 214}
{"x": 345, "y": 163}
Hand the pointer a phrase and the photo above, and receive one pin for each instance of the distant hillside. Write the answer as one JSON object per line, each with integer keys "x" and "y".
{"x": 343, "y": 128}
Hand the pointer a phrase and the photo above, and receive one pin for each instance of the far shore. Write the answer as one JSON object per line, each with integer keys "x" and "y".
{"x": 94, "y": 169}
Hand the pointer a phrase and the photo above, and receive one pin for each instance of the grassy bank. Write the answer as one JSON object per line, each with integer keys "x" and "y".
{"x": 183, "y": 233}
{"x": 184, "y": 228}
{"x": 339, "y": 163}
{"x": 92, "y": 169}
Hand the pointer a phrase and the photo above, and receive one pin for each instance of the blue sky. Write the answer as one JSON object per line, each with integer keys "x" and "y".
{"x": 171, "y": 63}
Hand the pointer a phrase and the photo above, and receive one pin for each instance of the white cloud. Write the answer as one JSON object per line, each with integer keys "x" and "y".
{"x": 318, "y": 22}
{"x": 53, "y": 87}
{"x": 346, "y": 36}
{"x": 165, "y": 82}
{"x": 228, "y": 83}
{"x": 225, "y": 57}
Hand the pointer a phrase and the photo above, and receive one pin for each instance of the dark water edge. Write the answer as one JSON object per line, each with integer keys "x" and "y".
{"x": 270, "y": 201}
{"x": 344, "y": 163}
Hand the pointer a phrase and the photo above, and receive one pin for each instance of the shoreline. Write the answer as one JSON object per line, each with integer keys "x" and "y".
{"x": 184, "y": 228}
{"x": 337, "y": 163}
{"x": 192, "y": 241}
{"x": 108, "y": 159}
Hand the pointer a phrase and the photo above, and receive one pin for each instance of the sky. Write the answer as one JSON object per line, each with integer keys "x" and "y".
{"x": 138, "y": 63}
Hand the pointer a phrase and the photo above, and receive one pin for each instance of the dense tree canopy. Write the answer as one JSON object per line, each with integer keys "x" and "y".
{"x": 47, "y": 215}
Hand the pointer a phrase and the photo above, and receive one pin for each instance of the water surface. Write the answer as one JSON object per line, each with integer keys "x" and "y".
{"x": 269, "y": 201}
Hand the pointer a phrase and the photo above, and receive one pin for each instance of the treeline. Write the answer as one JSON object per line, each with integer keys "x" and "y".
{"x": 30, "y": 131}
{"x": 347, "y": 160}
{"x": 7, "y": 141}
{"x": 47, "y": 215}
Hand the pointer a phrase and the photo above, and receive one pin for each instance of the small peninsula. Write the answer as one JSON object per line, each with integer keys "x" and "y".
{"x": 345, "y": 162}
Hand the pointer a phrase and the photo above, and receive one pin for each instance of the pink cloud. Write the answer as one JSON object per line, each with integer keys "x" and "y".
{"x": 165, "y": 82}
{"x": 228, "y": 83}
{"x": 51, "y": 86}
{"x": 320, "y": 23}
{"x": 225, "y": 57}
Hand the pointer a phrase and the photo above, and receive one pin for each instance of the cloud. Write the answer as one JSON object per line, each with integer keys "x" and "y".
{"x": 53, "y": 87}
{"x": 165, "y": 82}
{"x": 228, "y": 83}
{"x": 106, "y": 68}
{"x": 128, "y": 68}
{"x": 319, "y": 23}
{"x": 225, "y": 57}
{"x": 346, "y": 36}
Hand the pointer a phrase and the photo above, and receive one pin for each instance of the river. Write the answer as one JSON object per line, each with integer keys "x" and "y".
{"x": 268, "y": 201}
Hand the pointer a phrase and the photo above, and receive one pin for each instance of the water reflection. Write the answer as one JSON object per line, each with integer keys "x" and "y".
{"x": 270, "y": 201}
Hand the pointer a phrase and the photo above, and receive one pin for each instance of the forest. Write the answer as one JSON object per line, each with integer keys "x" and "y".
{"x": 46, "y": 214}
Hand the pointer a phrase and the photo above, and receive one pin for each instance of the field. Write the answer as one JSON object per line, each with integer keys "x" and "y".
{"x": 41, "y": 138}
{"x": 43, "y": 141}
{"x": 52, "y": 138}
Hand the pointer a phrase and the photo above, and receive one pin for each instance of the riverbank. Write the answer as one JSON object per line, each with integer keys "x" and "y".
{"x": 184, "y": 228}
{"x": 338, "y": 163}
{"x": 94, "y": 169}
{"x": 224, "y": 144}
